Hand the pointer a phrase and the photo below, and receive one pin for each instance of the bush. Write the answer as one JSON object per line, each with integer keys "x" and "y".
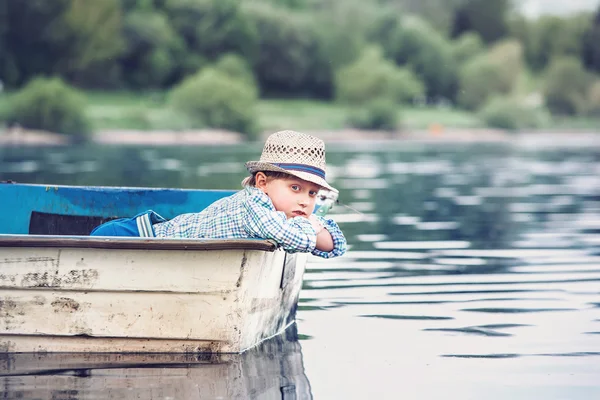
{"x": 152, "y": 48}
{"x": 418, "y": 45}
{"x": 377, "y": 114}
{"x": 466, "y": 47}
{"x": 566, "y": 86}
{"x": 213, "y": 99}
{"x": 292, "y": 59}
{"x": 556, "y": 36}
{"x": 511, "y": 114}
{"x": 50, "y": 105}
{"x": 491, "y": 73}
{"x": 372, "y": 77}
{"x": 593, "y": 100}
{"x": 236, "y": 67}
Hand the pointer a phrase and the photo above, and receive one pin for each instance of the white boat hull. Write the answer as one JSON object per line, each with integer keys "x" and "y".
{"x": 141, "y": 297}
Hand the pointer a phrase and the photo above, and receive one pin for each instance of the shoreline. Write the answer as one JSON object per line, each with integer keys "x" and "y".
{"x": 16, "y": 137}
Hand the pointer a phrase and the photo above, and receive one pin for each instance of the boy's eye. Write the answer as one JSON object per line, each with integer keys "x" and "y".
{"x": 313, "y": 193}
{"x": 295, "y": 188}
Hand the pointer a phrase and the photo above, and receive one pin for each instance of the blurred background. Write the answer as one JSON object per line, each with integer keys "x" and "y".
{"x": 463, "y": 135}
{"x": 97, "y": 69}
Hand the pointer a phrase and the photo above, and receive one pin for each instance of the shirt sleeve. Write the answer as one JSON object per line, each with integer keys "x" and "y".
{"x": 339, "y": 240}
{"x": 293, "y": 235}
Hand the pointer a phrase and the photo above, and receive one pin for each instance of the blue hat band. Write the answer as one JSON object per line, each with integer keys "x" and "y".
{"x": 302, "y": 168}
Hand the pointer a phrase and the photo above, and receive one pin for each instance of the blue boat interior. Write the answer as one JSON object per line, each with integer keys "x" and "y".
{"x": 77, "y": 210}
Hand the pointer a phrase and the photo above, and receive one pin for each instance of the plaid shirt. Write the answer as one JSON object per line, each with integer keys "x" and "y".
{"x": 250, "y": 213}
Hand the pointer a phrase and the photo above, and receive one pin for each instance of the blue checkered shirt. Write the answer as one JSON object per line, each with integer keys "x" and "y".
{"x": 250, "y": 213}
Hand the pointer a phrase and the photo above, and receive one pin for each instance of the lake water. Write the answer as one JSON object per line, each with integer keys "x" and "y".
{"x": 473, "y": 272}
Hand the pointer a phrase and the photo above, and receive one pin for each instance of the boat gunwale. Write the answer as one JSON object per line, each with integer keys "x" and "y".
{"x": 134, "y": 243}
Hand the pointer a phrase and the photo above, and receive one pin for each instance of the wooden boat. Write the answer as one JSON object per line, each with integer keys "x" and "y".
{"x": 63, "y": 291}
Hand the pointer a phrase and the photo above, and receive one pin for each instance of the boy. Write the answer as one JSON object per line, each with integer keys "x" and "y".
{"x": 277, "y": 203}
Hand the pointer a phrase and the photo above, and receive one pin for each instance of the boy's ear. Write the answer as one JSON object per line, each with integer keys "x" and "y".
{"x": 261, "y": 181}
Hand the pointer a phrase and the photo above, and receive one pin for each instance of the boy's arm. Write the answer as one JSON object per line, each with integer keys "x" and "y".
{"x": 330, "y": 241}
{"x": 293, "y": 235}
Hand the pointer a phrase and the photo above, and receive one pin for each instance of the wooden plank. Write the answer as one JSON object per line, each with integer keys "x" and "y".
{"x": 125, "y": 270}
{"x": 120, "y": 315}
{"x": 62, "y": 344}
{"x": 99, "y": 242}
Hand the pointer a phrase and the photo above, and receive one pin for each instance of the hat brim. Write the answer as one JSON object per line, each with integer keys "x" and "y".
{"x": 256, "y": 166}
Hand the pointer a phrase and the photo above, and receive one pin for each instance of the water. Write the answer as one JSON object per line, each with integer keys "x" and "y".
{"x": 473, "y": 272}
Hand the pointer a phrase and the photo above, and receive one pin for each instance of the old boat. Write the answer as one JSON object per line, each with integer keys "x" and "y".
{"x": 64, "y": 291}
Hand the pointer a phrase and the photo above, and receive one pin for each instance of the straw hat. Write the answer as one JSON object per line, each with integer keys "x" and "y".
{"x": 294, "y": 153}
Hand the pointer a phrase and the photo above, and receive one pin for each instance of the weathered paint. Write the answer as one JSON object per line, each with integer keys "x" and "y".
{"x": 102, "y": 300}
{"x": 22, "y": 199}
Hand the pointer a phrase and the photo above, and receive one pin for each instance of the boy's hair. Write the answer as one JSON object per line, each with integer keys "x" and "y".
{"x": 251, "y": 180}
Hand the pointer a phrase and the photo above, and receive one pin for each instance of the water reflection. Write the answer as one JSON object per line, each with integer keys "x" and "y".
{"x": 273, "y": 370}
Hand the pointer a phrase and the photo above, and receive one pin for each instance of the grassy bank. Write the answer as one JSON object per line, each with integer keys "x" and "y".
{"x": 149, "y": 111}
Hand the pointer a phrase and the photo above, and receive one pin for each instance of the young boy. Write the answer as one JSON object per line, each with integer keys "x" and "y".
{"x": 277, "y": 203}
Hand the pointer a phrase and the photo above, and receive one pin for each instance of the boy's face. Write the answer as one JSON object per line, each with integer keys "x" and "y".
{"x": 294, "y": 196}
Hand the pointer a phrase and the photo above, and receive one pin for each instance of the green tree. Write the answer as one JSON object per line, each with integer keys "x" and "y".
{"x": 467, "y": 46}
{"x": 566, "y": 86}
{"x": 29, "y": 48}
{"x": 292, "y": 60}
{"x": 494, "y": 72}
{"x": 591, "y": 44}
{"x": 76, "y": 39}
{"x": 91, "y": 37}
{"x": 552, "y": 36}
{"x": 485, "y": 17}
{"x": 152, "y": 50}
{"x": 211, "y": 28}
{"x": 416, "y": 44}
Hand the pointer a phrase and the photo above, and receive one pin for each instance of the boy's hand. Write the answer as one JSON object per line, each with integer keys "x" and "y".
{"x": 324, "y": 239}
{"x": 316, "y": 224}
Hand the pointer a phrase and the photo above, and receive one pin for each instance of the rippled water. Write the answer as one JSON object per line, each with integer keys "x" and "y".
{"x": 473, "y": 272}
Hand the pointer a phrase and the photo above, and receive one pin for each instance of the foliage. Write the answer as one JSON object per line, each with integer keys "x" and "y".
{"x": 59, "y": 37}
{"x": 590, "y": 48}
{"x": 236, "y": 67}
{"x": 377, "y": 114}
{"x": 593, "y": 100}
{"x": 494, "y": 72}
{"x": 511, "y": 114}
{"x": 551, "y": 36}
{"x": 566, "y": 86}
{"x": 212, "y": 28}
{"x": 372, "y": 77}
{"x": 291, "y": 58}
{"x": 152, "y": 47}
{"x": 28, "y": 49}
{"x": 467, "y": 46}
{"x": 343, "y": 28}
{"x": 416, "y": 44}
{"x": 484, "y": 17}
{"x": 213, "y": 99}
{"x": 50, "y": 105}
{"x": 91, "y": 35}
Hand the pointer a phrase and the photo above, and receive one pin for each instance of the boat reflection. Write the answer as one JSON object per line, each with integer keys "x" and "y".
{"x": 272, "y": 370}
